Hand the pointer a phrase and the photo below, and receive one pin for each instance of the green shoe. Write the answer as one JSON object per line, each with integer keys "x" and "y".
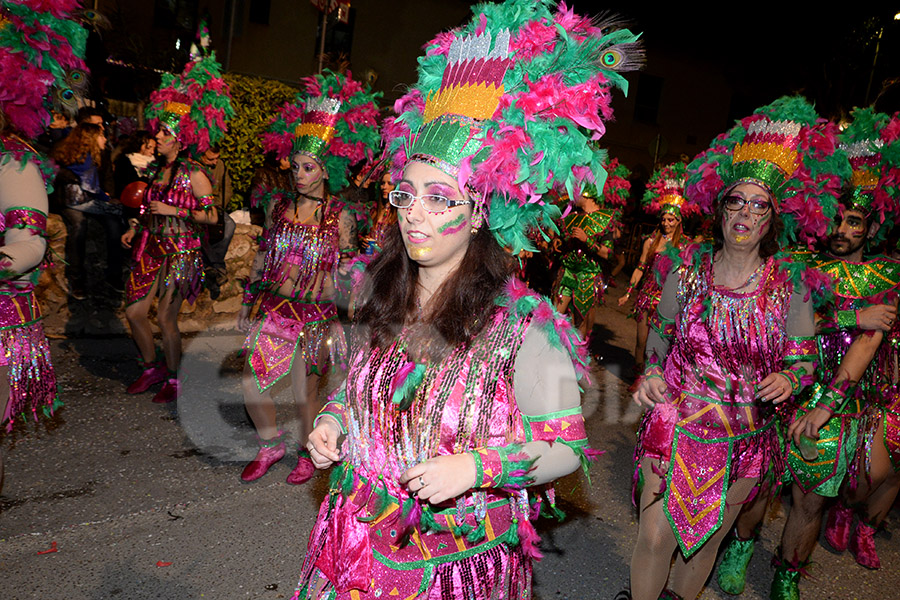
{"x": 785, "y": 584}
{"x": 732, "y": 573}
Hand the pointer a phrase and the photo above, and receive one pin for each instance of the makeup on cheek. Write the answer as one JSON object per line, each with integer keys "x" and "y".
{"x": 454, "y": 226}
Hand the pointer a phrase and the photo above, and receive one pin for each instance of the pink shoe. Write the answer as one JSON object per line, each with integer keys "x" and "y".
{"x": 168, "y": 393}
{"x": 304, "y": 470}
{"x": 152, "y": 375}
{"x": 837, "y": 530}
{"x": 862, "y": 545}
{"x": 265, "y": 458}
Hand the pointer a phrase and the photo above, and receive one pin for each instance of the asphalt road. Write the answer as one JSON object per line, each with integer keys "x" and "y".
{"x": 119, "y": 498}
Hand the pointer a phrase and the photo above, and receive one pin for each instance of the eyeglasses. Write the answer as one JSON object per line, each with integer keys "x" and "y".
{"x": 432, "y": 203}
{"x": 757, "y": 207}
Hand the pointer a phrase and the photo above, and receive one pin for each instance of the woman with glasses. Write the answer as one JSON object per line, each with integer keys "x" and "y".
{"x": 308, "y": 236}
{"x": 462, "y": 392}
{"x": 731, "y": 339}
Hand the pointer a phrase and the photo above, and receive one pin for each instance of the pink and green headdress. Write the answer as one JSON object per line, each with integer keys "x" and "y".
{"x": 665, "y": 192}
{"x": 41, "y": 62}
{"x": 872, "y": 143}
{"x": 195, "y": 105}
{"x": 789, "y": 151}
{"x": 615, "y": 189}
{"x": 509, "y": 105}
{"x": 335, "y": 123}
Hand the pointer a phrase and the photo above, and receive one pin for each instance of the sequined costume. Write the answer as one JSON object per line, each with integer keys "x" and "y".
{"x": 857, "y": 285}
{"x": 712, "y": 431}
{"x": 306, "y": 255}
{"x": 167, "y": 250}
{"x": 650, "y": 291}
{"x": 23, "y": 232}
{"x": 372, "y": 538}
{"x": 582, "y": 274}
{"x": 884, "y": 409}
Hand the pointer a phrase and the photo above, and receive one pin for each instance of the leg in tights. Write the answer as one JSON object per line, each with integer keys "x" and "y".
{"x": 305, "y": 389}
{"x": 655, "y": 542}
{"x": 138, "y": 316}
{"x": 260, "y": 405}
{"x": 802, "y": 527}
{"x": 640, "y": 344}
{"x": 689, "y": 576}
{"x": 167, "y": 315}
{"x": 4, "y": 400}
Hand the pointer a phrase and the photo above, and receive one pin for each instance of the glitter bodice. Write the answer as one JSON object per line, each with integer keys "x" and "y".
{"x": 302, "y": 253}
{"x": 466, "y": 401}
{"x": 179, "y": 194}
{"x": 726, "y": 343}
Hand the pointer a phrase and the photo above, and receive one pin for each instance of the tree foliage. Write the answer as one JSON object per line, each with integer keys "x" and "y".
{"x": 255, "y": 101}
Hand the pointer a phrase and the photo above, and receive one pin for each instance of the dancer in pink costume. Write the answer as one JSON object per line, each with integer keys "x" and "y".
{"x": 41, "y": 55}
{"x": 189, "y": 113}
{"x": 462, "y": 393}
{"x": 732, "y": 337}
{"x": 664, "y": 196}
{"x": 309, "y": 235}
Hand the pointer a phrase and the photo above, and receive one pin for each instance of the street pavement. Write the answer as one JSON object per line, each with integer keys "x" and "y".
{"x": 119, "y": 498}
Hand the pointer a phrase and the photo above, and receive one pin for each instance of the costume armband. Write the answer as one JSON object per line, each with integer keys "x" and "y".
{"x": 795, "y": 376}
{"x": 800, "y": 349}
{"x": 182, "y": 213}
{"x": 23, "y": 217}
{"x": 347, "y": 252}
{"x": 502, "y": 467}
{"x": 207, "y": 201}
{"x": 336, "y": 407}
{"x": 563, "y": 426}
{"x": 848, "y": 319}
{"x": 251, "y": 290}
{"x": 664, "y": 327}
{"x": 834, "y": 397}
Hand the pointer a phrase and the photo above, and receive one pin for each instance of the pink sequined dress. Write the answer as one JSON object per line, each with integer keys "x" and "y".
{"x": 304, "y": 320}
{"x": 712, "y": 431}
{"x": 884, "y": 409}
{"x": 373, "y": 538}
{"x": 649, "y": 293}
{"x": 168, "y": 251}
{"x": 23, "y": 231}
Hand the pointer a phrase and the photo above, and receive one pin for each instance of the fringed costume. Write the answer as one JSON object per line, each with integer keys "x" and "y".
{"x": 307, "y": 255}
{"x": 167, "y": 250}
{"x": 712, "y": 430}
{"x": 582, "y": 276}
{"x": 649, "y": 292}
{"x": 373, "y": 538}
{"x": 23, "y": 242}
{"x": 857, "y": 285}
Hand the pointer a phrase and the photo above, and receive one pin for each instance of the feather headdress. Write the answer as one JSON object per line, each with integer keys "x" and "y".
{"x": 195, "y": 105}
{"x": 665, "y": 192}
{"x": 41, "y": 62}
{"x": 788, "y": 150}
{"x": 872, "y": 143}
{"x": 335, "y": 122}
{"x": 509, "y": 105}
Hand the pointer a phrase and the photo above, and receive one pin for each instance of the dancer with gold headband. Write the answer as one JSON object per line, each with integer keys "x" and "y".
{"x": 732, "y": 337}
{"x": 462, "y": 390}
{"x": 189, "y": 113}
{"x": 309, "y": 235}
{"x": 664, "y": 196}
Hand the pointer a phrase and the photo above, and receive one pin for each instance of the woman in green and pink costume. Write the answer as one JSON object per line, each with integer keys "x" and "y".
{"x": 189, "y": 114}
{"x": 41, "y": 57}
{"x": 462, "y": 393}
{"x": 309, "y": 234}
{"x": 732, "y": 338}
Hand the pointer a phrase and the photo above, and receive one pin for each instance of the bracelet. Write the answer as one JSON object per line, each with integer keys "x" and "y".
{"x": 502, "y": 467}
{"x": 848, "y": 319}
{"x": 793, "y": 378}
{"x": 182, "y": 213}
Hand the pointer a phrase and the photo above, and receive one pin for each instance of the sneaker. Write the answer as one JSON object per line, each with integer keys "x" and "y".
{"x": 152, "y": 375}
{"x": 168, "y": 393}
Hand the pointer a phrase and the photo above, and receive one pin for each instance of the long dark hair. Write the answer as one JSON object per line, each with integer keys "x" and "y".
{"x": 458, "y": 310}
{"x": 768, "y": 245}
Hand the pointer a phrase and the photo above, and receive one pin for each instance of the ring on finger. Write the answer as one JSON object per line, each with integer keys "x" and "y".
{"x": 421, "y": 481}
